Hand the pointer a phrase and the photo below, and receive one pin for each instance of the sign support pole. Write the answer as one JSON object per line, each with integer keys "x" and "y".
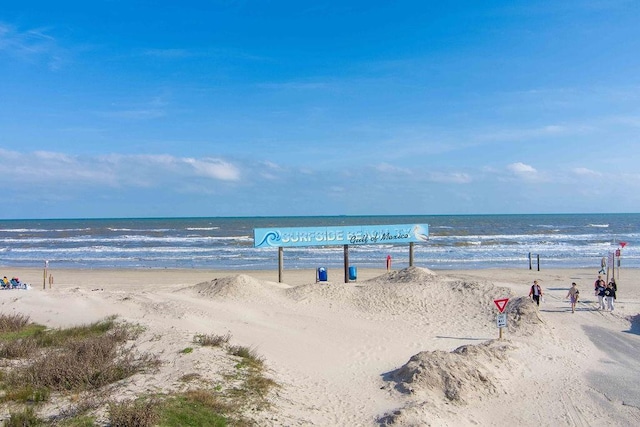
{"x": 280, "y": 263}
{"x": 346, "y": 263}
{"x": 410, "y": 254}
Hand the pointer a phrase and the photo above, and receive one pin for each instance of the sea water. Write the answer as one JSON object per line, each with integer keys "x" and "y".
{"x": 455, "y": 242}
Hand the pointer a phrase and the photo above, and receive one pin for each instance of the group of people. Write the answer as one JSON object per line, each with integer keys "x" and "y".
{"x": 14, "y": 283}
{"x": 606, "y": 293}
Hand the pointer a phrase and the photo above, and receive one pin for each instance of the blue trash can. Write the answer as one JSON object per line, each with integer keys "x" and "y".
{"x": 353, "y": 273}
{"x": 322, "y": 274}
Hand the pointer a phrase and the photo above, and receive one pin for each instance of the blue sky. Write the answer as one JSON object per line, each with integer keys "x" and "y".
{"x": 242, "y": 108}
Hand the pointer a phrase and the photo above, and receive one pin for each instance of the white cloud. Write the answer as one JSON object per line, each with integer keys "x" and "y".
{"x": 215, "y": 168}
{"x": 520, "y": 168}
{"x": 114, "y": 170}
{"x": 586, "y": 172}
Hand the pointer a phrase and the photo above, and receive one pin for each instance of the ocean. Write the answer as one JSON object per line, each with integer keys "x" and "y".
{"x": 455, "y": 242}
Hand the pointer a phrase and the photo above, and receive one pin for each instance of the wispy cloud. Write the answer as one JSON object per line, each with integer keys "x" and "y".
{"x": 586, "y": 172}
{"x": 451, "y": 177}
{"x": 116, "y": 170}
{"x": 153, "y": 109}
{"x": 388, "y": 168}
{"x": 534, "y": 132}
{"x": 169, "y": 53}
{"x": 214, "y": 168}
{"x": 31, "y": 45}
{"x": 134, "y": 114}
{"x": 298, "y": 85}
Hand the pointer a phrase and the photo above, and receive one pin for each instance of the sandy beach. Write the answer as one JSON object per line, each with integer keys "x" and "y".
{"x": 411, "y": 347}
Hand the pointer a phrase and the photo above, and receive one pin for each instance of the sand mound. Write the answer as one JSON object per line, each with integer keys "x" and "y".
{"x": 407, "y": 275}
{"x": 523, "y": 316}
{"x": 240, "y": 286}
{"x": 436, "y": 379}
{"x": 334, "y": 292}
{"x": 464, "y": 373}
{"x": 414, "y": 294}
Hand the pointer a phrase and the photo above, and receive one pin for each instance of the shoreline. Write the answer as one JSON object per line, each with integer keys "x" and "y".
{"x": 66, "y": 276}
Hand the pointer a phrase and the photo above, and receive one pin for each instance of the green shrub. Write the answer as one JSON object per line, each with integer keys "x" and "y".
{"x": 197, "y": 408}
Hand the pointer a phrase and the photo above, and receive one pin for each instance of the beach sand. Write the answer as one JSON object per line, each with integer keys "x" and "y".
{"x": 412, "y": 347}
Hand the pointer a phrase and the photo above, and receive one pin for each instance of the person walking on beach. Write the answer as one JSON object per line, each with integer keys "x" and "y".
{"x": 536, "y": 292}
{"x": 573, "y": 295}
{"x": 599, "y": 281}
{"x": 603, "y": 266}
{"x": 610, "y": 295}
{"x": 600, "y": 288}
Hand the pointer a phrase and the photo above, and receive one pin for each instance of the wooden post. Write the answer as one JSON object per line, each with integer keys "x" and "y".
{"x": 410, "y": 254}
{"x": 44, "y": 278}
{"x": 530, "y": 261}
{"x": 346, "y": 263}
{"x": 538, "y": 256}
{"x": 280, "y": 263}
{"x": 613, "y": 272}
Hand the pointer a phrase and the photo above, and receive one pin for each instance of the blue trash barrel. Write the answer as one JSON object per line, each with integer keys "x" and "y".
{"x": 322, "y": 274}
{"x": 353, "y": 273}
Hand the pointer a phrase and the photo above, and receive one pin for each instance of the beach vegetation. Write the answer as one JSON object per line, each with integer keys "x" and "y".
{"x": 196, "y": 408}
{"x": 13, "y": 322}
{"x": 141, "y": 412}
{"x": 25, "y": 418}
{"x": 190, "y": 377}
{"x": 78, "y": 358}
{"x": 74, "y": 365}
{"x": 212, "y": 340}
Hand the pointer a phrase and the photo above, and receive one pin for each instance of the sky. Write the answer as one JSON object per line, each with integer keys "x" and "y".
{"x": 277, "y": 108}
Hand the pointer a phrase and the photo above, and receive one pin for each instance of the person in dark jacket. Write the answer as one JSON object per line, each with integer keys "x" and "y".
{"x": 610, "y": 296}
{"x": 600, "y": 293}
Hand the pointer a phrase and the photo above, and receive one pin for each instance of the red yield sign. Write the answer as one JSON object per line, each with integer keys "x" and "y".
{"x": 501, "y": 303}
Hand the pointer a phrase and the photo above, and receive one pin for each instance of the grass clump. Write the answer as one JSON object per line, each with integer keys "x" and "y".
{"x": 13, "y": 322}
{"x": 25, "y": 418}
{"x": 195, "y": 408}
{"x": 138, "y": 413}
{"x": 90, "y": 362}
{"x": 212, "y": 340}
{"x": 248, "y": 355}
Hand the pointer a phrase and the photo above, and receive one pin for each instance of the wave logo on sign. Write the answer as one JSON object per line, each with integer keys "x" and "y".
{"x": 271, "y": 238}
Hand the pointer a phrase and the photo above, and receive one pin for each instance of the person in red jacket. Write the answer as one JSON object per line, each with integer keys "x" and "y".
{"x": 536, "y": 292}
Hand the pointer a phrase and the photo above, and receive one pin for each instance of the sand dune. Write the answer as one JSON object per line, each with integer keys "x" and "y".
{"x": 411, "y": 347}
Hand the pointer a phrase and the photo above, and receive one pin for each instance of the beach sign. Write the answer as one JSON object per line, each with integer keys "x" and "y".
{"x": 340, "y": 235}
{"x": 501, "y": 303}
{"x": 501, "y": 320}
